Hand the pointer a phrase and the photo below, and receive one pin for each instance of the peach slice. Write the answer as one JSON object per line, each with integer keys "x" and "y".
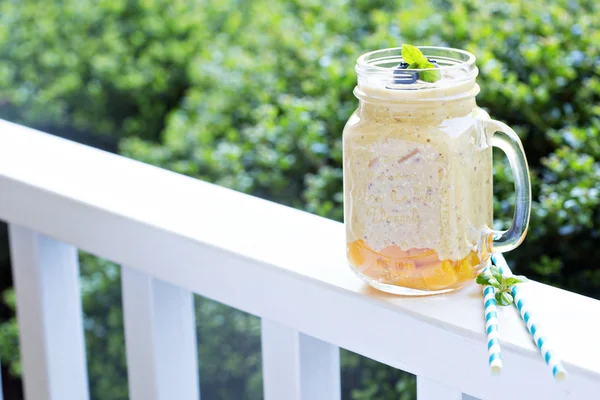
{"x": 355, "y": 253}
{"x": 467, "y": 267}
{"x": 394, "y": 251}
{"x": 441, "y": 277}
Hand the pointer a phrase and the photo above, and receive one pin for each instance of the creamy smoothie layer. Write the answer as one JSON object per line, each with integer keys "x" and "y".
{"x": 418, "y": 183}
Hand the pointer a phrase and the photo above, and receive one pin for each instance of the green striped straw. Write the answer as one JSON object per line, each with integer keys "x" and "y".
{"x": 538, "y": 335}
{"x": 491, "y": 325}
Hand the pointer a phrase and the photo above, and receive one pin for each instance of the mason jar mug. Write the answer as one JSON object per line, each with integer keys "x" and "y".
{"x": 418, "y": 204}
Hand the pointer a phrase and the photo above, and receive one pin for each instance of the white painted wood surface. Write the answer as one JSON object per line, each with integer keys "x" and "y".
{"x": 297, "y": 366}
{"x": 46, "y": 281}
{"x": 431, "y": 390}
{"x": 160, "y": 338}
{"x": 266, "y": 259}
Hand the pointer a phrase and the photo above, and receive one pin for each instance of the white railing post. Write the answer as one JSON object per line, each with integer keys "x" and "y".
{"x": 1, "y": 391}
{"x": 46, "y": 280}
{"x": 298, "y": 366}
{"x": 430, "y": 390}
{"x": 160, "y": 339}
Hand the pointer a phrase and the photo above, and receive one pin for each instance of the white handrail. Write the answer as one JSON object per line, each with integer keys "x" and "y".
{"x": 281, "y": 264}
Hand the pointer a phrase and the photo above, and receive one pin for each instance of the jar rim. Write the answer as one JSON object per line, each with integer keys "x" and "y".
{"x": 378, "y": 67}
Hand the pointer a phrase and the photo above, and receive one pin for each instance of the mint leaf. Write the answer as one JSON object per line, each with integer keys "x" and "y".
{"x": 504, "y": 298}
{"x": 482, "y": 279}
{"x": 522, "y": 278}
{"x": 485, "y": 278}
{"x": 429, "y": 75}
{"x": 493, "y": 282}
{"x": 411, "y": 54}
{"x": 513, "y": 280}
{"x": 496, "y": 273}
{"x": 416, "y": 60}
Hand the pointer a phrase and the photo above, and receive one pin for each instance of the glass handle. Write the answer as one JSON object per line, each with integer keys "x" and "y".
{"x": 503, "y": 137}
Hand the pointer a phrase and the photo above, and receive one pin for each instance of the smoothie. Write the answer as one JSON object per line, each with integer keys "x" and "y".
{"x": 418, "y": 183}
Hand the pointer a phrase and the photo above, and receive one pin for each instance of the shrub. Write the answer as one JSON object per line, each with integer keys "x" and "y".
{"x": 107, "y": 67}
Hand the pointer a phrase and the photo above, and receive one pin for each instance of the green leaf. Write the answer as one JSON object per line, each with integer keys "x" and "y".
{"x": 485, "y": 278}
{"x": 494, "y": 282}
{"x": 494, "y": 269}
{"x": 430, "y": 75}
{"x": 504, "y": 298}
{"x": 513, "y": 280}
{"x": 482, "y": 279}
{"x": 411, "y": 54}
{"x": 496, "y": 273}
{"x": 497, "y": 276}
{"x": 522, "y": 278}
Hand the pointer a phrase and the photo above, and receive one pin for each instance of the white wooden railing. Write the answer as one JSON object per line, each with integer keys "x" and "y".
{"x": 174, "y": 236}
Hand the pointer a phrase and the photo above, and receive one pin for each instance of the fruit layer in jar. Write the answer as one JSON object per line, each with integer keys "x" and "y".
{"x": 419, "y": 269}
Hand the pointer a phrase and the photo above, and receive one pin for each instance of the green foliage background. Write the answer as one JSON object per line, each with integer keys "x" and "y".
{"x": 253, "y": 95}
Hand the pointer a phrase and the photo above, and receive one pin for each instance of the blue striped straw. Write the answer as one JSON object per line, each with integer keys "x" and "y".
{"x": 538, "y": 335}
{"x": 491, "y": 326}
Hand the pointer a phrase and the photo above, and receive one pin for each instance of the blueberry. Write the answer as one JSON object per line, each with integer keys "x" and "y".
{"x": 435, "y": 64}
{"x": 404, "y": 77}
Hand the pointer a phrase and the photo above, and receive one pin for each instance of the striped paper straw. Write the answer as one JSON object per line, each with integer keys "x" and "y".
{"x": 536, "y": 331}
{"x": 491, "y": 327}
